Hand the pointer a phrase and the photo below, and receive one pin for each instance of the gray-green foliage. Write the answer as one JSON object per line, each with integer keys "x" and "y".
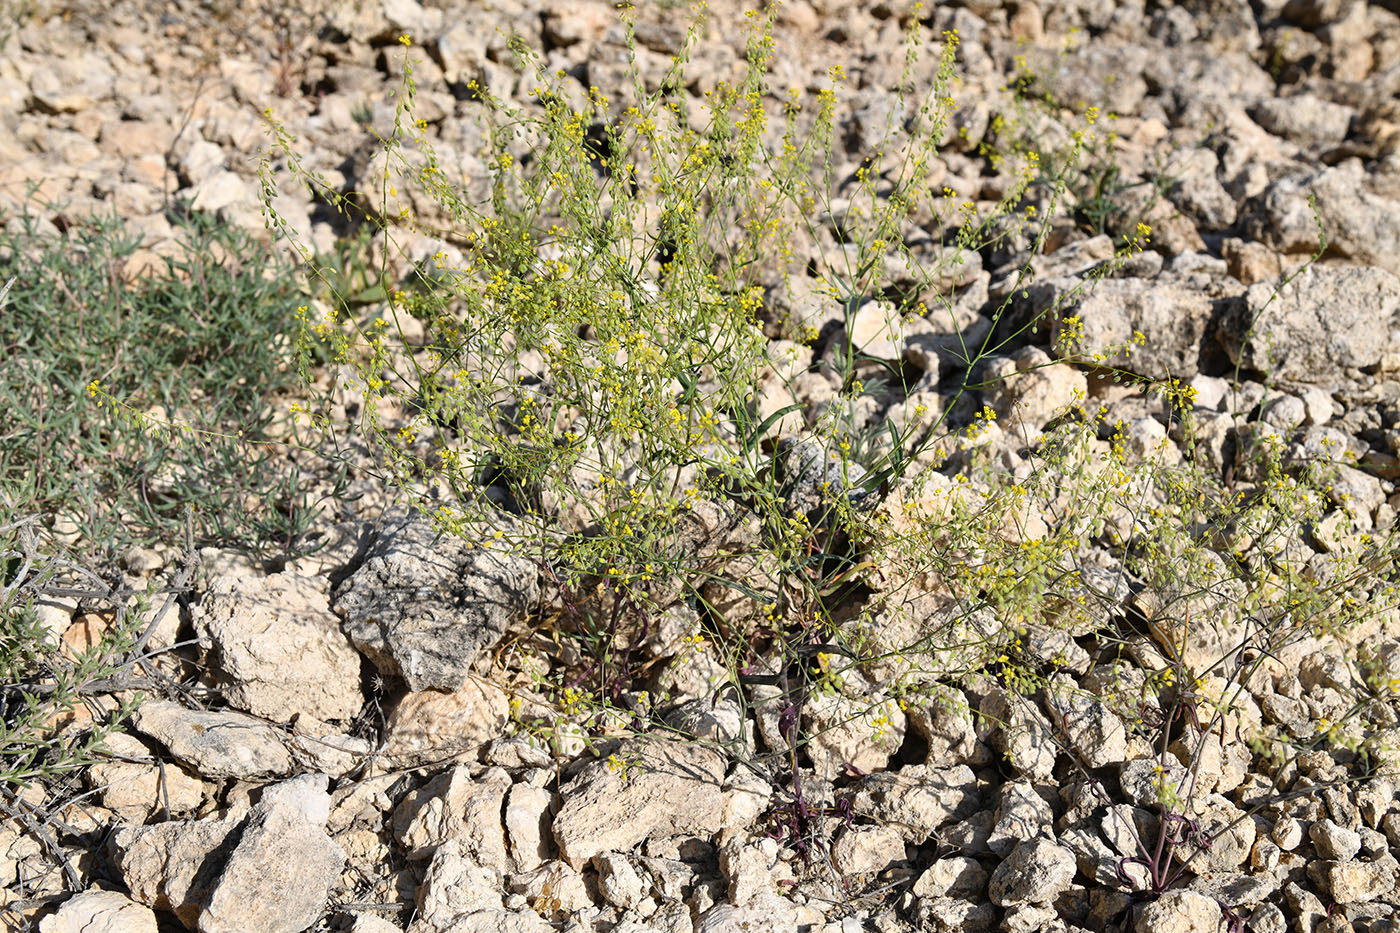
{"x": 198, "y": 344}
{"x": 43, "y": 680}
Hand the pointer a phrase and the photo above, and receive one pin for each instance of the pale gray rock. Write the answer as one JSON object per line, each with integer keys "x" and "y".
{"x": 1228, "y": 830}
{"x": 956, "y": 876}
{"x": 949, "y": 334}
{"x": 1173, "y": 319}
{"x": 619, "y": 882}
{"x": 136, "y": 786}
{"x": 746, "y": 796}
{"x": 528, "y": 815}
{"x": 1029, "y": 389}
{"x": 814, "y": 478}
{"x": 863, "y": 850}
{"x": 863, "y": 729}
{"x": 429, "y": 725}
{"x": 721, "y": 722}
{"x": 672, "y": 789}
{"x": 423, "y": 608}
{"x": 490, "y": 921}
{"x": 751, "y": 869}
{"x": 1359, "y": 882}
{"x": 1325, "y": 669}
{"x": 202, "y": 161}
{"x": 1287, "y": 833}
{"x": 1197, "y": 619}
{"x": 916, "y": 799}
{"x": 1285, "y": 412}
{"x": 1104, "y": 75}
{"x": 574, "y": 21}
{"x": 225, "y": 192}
{"x": 1269, "y": 918}
{"x": 1146, "y": 782}
{"x": 1376, "y": 798}
{"x": 1128, "y": 829}
{"x": 457, "y": 807}
{"x": 1179, "y": 912}
{"x": 270, "y": 869}
{"x": 1242, "y": 891}
{"x": 1304, "y": 905}
{"x": 462, "y": 48}
{"x": 877, "y": 331}
{"x": 956, "y": 915}
{"x": 1035, "y": 872}
{"x": 767, "y": 912}
{"x": 945, "y": 723}
{"x": 277, "y": 878}
{"x": 1304, "y": 118}
{"x": 142, "y": 560}
{"x": 318, "y": 746}
{"x": 1325, "y": 319}
{"x": 164, "y": 865}
{"x": 1197, "y": 190}
{"x": 1020, "y": 733}
{"x": 801, "y": 309}
{"x": 215, "y": 745}
{"x": 1021, "y": 815}
{"x": 1096, "y": 735}
{"x": 555, "y": 891}
{"x": 517, "y": 751}
{"x": 278, "y": 648}
{"x": 97, "y": 911}
{"x": 1361, "y": 223}
{"x": 304, "y": 794}
{"x": 1096, "y": 859}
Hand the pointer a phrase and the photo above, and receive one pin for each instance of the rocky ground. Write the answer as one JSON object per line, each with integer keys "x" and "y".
{"x": 334, "y": 777}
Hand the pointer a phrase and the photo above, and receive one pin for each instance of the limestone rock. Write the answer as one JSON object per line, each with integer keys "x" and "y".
{"x": 269, "y": 869}
{"x": 1172, "y": 318}
{"x": 1361, "y": 223}
{"x": 867, "y": 849}
{"x": 1021, "y": 815}
{"x": 1030, "y": 390}
{"x": 428, "y": 725}
{"x": 1179, "y": 912}
{"x": 1334, "y": 842}
{"x": 877, "y": 331}
{"x": 215, "y": 745}
{"x": 1096, "y": 735}
{"x": 768, "y": 912}
{"x": 457, "y": 807}
{"x": 1304, "y": 118}
{"x": 137, "y": 788}
{"x": 277, "y": 878}
{"x": 1021, "y": 733}
{"x": 916, "y": 799}
{"x": 455, "y": 884}
{"x": 674, "y": 789}
{"x": 1358, "y": 882}
{"x": 423, "y": 608}
{"x": 1035, "y": 872}
{"x": 529, "y": 813}
{"x": 864, "y": 730}
{"x": 1325, "y": 319}
{"x": 164, "y": 865}
{"x": 98, "y": 911}
{"x": 954, "y": 876}
{"x": 279, "y": 648}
